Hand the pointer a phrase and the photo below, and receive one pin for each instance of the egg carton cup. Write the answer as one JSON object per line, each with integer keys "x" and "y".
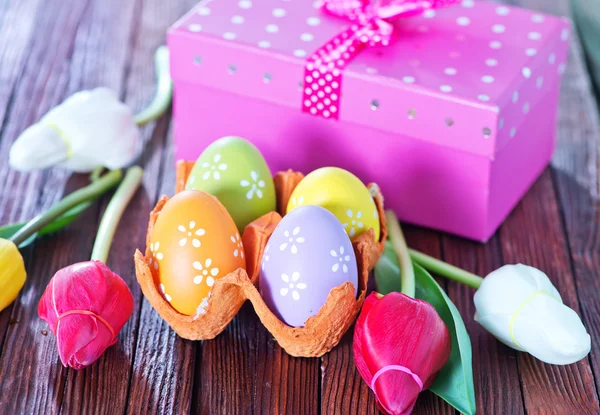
{"x": 320, "y": 333}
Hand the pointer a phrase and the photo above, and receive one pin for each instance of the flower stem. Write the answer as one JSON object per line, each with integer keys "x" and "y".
{"x": 114, "y": 211}
{"x": 164, "y": 89}
{"x": 90, "y": 192}
{"x": 446, "y": 270}
{"x": 407, "y": 272}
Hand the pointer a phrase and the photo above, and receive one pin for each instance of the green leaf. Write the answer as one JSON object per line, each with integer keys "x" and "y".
{"x": 454, "y": 383}
{"x": 7, "y": 231}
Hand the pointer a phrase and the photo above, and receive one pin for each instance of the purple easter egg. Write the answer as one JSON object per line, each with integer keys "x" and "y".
{"x": 308, "y": 254}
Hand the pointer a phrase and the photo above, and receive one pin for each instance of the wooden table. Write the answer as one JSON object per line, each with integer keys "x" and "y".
{"x": 50, "y": 49}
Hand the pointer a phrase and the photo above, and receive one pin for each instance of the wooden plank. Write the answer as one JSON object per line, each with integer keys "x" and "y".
{"x": 495, "y": 370}
{"x": 162, "y": 374}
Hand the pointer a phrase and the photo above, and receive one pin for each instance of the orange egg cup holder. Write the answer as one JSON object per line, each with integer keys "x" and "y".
{"x": 321, "y": 332}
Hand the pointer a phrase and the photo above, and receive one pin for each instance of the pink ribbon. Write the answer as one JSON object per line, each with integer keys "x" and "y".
{"x": 399, "y": 368}
{"x": 371, "y": 26}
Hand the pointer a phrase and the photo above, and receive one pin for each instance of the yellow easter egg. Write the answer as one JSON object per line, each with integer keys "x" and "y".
{"x": 343, "y": 194}
{"x": 194, "y": 242}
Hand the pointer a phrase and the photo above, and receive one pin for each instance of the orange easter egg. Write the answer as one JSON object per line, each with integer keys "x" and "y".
{"x": 194, "y": 242}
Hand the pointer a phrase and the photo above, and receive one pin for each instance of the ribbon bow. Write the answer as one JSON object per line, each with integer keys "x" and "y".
{"x": 371, "y": 26}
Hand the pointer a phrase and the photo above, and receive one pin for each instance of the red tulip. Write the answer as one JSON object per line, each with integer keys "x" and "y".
{"x": 400, "y": 344}
{"x": 86, "y": 305}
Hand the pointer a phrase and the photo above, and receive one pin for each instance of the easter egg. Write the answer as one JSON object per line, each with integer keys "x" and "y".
{"x": 236, "y": 173}
{"x": 194, "y": 242}
{"x": 307, "y": 255}
{"x": 341, "y": 193}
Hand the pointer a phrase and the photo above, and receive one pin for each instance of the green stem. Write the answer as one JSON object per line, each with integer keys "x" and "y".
{"x": 114, "y": 211}
{"x": 446, "y": 270}
{"x": 164, "y": 89}
{"x": 407, "y": 272}
{"x": 90, "y": 192}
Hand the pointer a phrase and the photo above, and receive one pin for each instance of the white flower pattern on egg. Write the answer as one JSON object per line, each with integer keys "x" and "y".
{"x": 297, "y": 202}
{"x": 292, "y": 240}
{"x": 293, "y": 285}
{"x": 255, "y": 184}
{"x": 239, "y": 247}
{"x": 190, "y": 233}
{"x": 341, "y": 260}
{"x": 205, "y": 271}
{"x": 212, "y": 169}
{"x": 265, "y": 256}
{"x": 162, "y": 291}
{"x": 156, "y": 254}
{"x": 354, "y": 222}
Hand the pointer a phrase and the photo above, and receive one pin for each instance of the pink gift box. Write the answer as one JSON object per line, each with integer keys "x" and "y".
{"x": 454, "y": 120}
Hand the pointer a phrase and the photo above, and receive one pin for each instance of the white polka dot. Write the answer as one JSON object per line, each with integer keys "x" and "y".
{"x": 409, "y": 79}
{"x": 429, "y": 14}
{"x": 487, "y": 79}
{"x": 450, "y": 71}
{"x": 265, "y": 44}
{"x": 195, "y": 27}
{"x": 468, "y": 4}
{"x": 300, "y": 53}
{"x": 537, "y": 18}
{"x": 491, "y": 62}
{"x": 229, "y": 35}
{"x": 237, "y": 19}
{"x": 483, "y": 97}
{"x": 501, "y": 123}
{"x": 446, "y": 88}
{"x": 526, "y": 72}
{"x": 279, "y": 12}
{"x": 463, "y": 21}
{"x": 502, "y": 10}
{"x": 498, "y": 28}
{"x": 526, "y": 108}
{"x": 513, "y": 132}
{"x": 371, "y": 70}
{"x": 552, "y": 58}
{"x": 272, "y": 28}
{"x": 313, "y": 21}
{"x": 539, "y": 82}
{"x": 307, "y": 37}
{"x": 515, "y": 97}
{"x": 245, "y": 4}
{"x": 562, "y": 68}
{"x": 565, "y": 34}
{"x": 534, "y": 36}
{"x": 531, "y": 52}
{"x": 204, "y": 11}
{"x": 495, "y": 44}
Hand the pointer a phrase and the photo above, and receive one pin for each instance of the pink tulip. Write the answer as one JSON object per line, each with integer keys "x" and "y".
{"x": 86, "y": 305}
{"x": 400, "y": 344}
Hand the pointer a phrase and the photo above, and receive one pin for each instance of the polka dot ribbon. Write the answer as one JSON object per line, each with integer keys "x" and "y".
{"x": 371, "y": 26}
{"x": 398, "y": 368}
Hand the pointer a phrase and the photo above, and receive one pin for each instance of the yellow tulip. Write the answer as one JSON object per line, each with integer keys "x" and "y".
{"x": 12, "y": 272}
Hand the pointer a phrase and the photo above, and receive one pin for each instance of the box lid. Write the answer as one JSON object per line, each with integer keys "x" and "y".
{"x": 464, "y": 76}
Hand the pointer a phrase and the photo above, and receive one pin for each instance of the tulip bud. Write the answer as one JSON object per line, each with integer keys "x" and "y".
{"x": 400, "y": 344}
{"x": 12, "y": 272}
{"x": 90, "y": 129}
{"x": 519, "y": 305}
{"x": 85, "y": 305}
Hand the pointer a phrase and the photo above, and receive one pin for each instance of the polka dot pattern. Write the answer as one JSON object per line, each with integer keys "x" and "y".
{"x": 487, "y": 51}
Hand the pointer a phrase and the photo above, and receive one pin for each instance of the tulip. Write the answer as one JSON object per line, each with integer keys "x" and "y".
{"x": 89, "y": 130}
{"x": 400, "y": 343}
{"x": 12, "y": 272}
{"x": 87, "y": 304}
{"x": 519, "y": 306}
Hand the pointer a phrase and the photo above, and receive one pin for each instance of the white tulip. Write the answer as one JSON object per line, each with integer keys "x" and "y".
{"x": 519, "y": 305}
{"x": 90, "y": 129}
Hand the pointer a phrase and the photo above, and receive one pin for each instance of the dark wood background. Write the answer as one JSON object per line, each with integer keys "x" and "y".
{"x": 50, "y": 49}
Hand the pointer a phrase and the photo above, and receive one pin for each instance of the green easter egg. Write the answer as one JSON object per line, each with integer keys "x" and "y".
{"x": 235, "y": 172}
